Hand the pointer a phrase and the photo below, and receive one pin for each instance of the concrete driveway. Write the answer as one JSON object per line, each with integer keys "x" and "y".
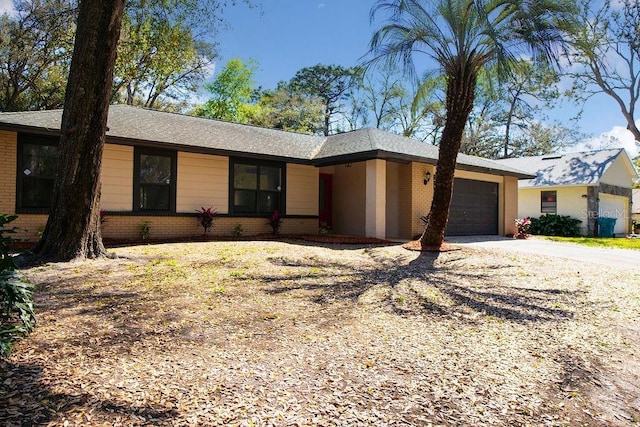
{"x": 604, "y": 256}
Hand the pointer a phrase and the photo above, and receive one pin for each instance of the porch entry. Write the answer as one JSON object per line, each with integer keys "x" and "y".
{"x": 325, "y": 203}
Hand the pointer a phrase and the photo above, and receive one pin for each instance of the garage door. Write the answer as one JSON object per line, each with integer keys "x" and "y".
{"x": 474, "y": 208}
{"x": 614, "y": 207}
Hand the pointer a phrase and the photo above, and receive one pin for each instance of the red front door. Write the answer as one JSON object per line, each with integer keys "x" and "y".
{"x": 326, "y": 199}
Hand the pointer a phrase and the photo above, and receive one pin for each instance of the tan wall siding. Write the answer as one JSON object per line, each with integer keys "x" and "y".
{"x": 302, "y": 190}
{"x": 203, "y": 181}
{"x": 8, "y": 159}
{"x": 117, "y": 178}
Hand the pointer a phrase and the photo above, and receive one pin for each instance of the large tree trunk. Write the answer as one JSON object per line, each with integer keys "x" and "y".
{"x": 459, "y": 102}
{"x": 73, "y": 227}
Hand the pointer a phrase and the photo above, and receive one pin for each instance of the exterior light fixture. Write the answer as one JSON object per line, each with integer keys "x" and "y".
{"x": 427, "y": 177}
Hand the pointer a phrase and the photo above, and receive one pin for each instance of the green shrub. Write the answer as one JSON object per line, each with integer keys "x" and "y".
{"x": 17, "y": 317}
{"x": 555, "y": 225}
{"x": 238, "y": 231}
{"x": 144, "y": 230}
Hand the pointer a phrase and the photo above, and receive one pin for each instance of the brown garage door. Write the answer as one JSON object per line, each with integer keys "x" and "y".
{"x": 474, "y": 208}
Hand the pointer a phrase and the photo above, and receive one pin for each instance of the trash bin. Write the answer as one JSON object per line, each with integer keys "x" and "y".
{"x": 606, "y": 226}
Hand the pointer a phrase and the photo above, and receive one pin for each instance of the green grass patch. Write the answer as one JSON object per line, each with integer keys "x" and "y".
{"x": 601, "y": 242}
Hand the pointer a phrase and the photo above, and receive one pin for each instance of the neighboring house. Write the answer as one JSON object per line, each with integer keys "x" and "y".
{"x": 159, "y": 167}
{"x": 585, "y": 185}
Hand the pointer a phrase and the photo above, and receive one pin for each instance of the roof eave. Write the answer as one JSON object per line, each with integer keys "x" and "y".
{"x": 559, "y": 185}
{"x": 203, "y": 150}
{"x": 407, "y": 158}
{"x": 38, "y": 130}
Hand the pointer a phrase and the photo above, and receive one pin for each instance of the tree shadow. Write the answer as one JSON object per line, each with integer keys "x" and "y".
{"x": 426, "y": 285}
{"x": 111, "y": 319}
{"x": 576, "y": 170}
{"x": 28, "y": 399}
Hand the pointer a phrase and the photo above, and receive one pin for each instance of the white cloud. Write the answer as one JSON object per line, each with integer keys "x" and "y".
{"x": 321, "y": 5}
{"x": 6, "y": 6}
{"x": 617, "y": 137}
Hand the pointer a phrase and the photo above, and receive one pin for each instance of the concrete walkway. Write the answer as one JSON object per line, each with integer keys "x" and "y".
{"x": 604, "y": 256}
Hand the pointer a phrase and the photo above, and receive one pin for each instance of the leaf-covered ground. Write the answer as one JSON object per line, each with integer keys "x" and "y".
{"x": 299, "y": 333}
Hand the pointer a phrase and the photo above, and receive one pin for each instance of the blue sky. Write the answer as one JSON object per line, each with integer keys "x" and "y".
{"x": 284, "y": 36}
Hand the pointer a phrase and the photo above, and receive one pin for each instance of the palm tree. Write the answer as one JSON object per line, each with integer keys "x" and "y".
{"x": 463, "y": 37}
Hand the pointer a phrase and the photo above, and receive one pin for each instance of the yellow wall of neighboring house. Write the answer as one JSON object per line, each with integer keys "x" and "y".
{"x": 570, "y": 201}
{"x": 618, "y": 173}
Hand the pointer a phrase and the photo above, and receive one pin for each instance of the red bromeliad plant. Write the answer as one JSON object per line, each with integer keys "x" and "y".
{"x": 275, "y": 221}
{"x": 205, "y": 218}
{"x": 523, "y": 228}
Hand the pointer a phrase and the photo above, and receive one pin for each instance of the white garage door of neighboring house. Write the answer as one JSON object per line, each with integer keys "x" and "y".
{"x": 615, "y": 207}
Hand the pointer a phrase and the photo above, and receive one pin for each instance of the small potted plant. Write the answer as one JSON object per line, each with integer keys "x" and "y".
{"x": 205, "y": 217}
{"x": 636, "y": 227}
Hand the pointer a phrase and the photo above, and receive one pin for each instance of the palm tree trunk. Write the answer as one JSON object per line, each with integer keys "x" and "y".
{"x": 459, "y": 102}
{"x": 73, "y": 227}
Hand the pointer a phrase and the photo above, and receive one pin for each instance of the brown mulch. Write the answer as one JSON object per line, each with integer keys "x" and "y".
{"x": 415, "y": 245}
{"x": 295, "y": 333}
{"x": 327, "y": 238}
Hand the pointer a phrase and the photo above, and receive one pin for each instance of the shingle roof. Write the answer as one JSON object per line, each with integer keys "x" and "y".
{"x": 391, "y": 146}
{"x": 139, "y": 125}
{"x": 582, "y": 168}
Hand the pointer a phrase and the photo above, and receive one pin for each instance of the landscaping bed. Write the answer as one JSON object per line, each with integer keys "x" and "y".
{"x": 293, "y": 332}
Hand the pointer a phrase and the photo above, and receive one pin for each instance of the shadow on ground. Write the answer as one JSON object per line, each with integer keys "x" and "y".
{"x": 26, "y": 399}
{"x": 433, "y": 287}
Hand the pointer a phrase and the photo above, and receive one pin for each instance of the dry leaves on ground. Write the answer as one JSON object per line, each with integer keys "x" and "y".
{"x": 299, "y": 333}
